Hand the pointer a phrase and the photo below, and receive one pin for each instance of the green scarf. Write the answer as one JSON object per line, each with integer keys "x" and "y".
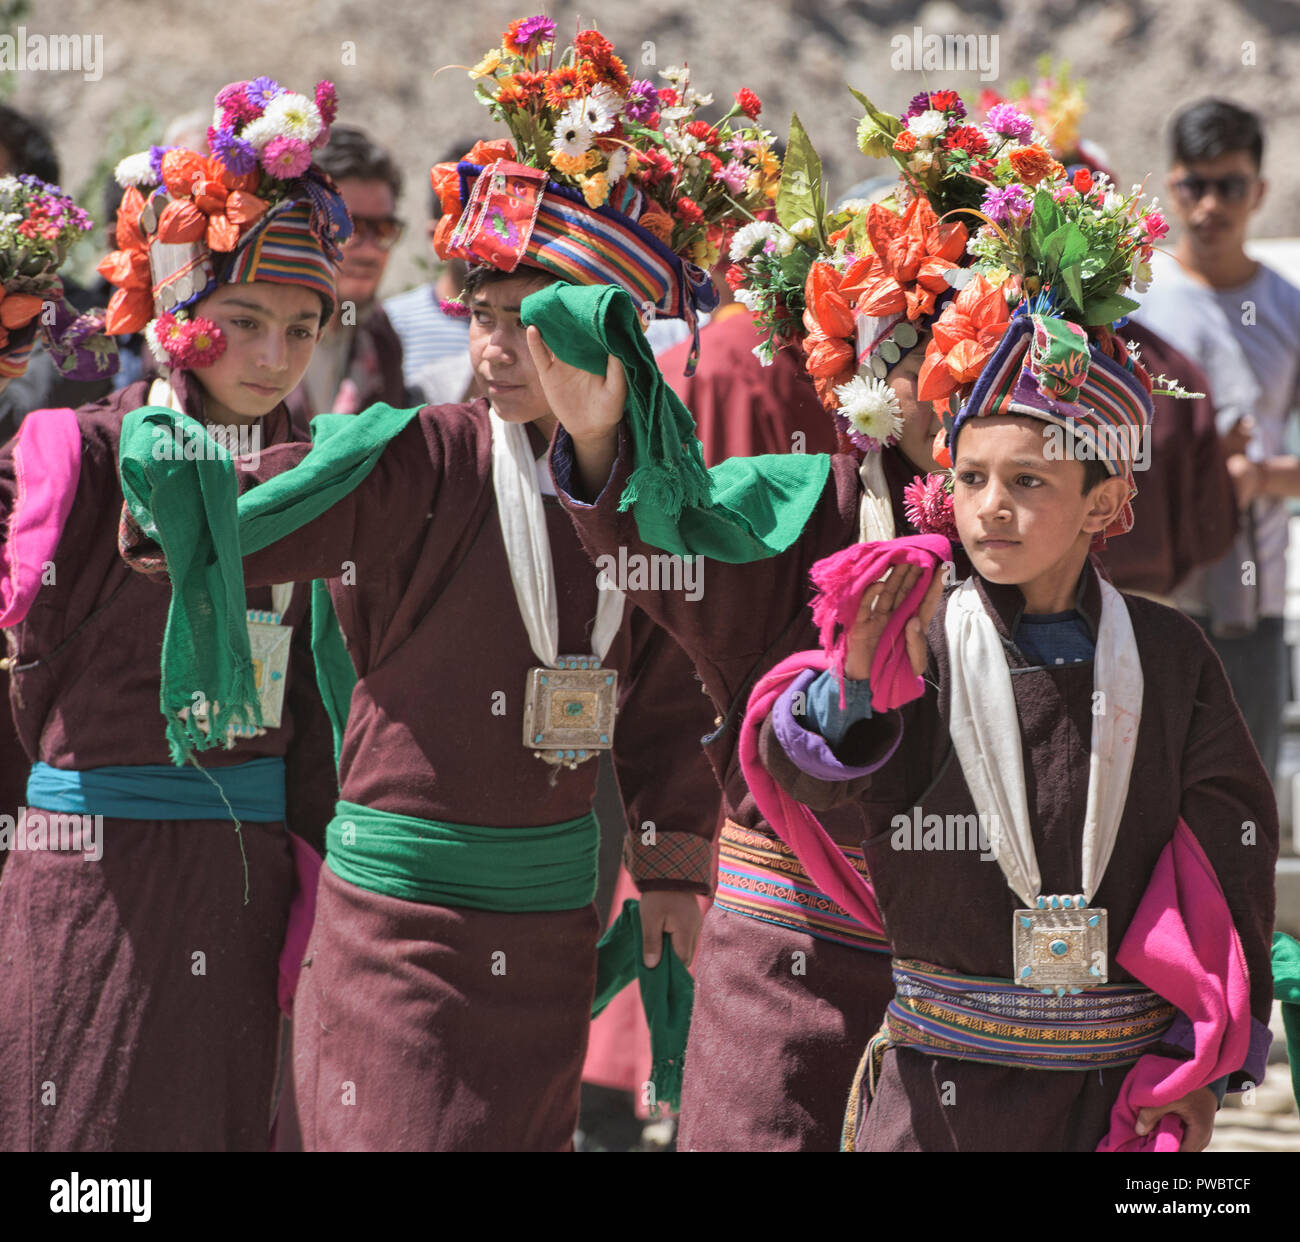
{"x": 667, "y": 994}
{"x": 743, "y": 510}
{"x": 193, "y": 510}
{"x": 1286, "y": 988}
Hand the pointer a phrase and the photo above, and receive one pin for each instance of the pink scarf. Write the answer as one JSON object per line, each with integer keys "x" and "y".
{"x": 302, "y": 913}
{"x": 47, "y": 467}
{"x": 1182, "y": 944}
{"x": 842, "y": 579}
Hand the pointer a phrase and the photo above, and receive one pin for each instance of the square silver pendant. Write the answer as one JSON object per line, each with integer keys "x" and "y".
{"x": 1059, "y": 949}
{"x": 569, "y": 711}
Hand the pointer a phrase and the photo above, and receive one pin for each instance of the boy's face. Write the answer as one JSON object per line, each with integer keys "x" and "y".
{"x": 270, "y": 333}
{"x": 1021, "y": 511}
{"x": 498, "y": 349}
{"x": 1214, "y": 200}
{"x": 920, "y": 423}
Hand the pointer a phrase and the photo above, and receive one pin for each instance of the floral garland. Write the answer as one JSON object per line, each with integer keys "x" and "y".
{"x": 583, "y": 118}
{"x": 38, "y": 225}
{"x": 260, "y": 142}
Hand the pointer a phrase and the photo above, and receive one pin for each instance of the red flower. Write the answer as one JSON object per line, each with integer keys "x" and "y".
{"x": 735, "y": 276}
{"x": 688, "y": 211}
{"x": 906, "y": 141}
{"x": 564, "y": 84}
{"x": 944, "y": 101}
{"x": 713, "y": 162}
{"x": 594, "y": 46}
{"x": 750, "y": 104}
{"x": 703, "y": 131}
{"x": 1082, "y": 180}
{"x": 982, "y": 169}
{"x": 668, "y": 96}
{"x": 968, "y": 138}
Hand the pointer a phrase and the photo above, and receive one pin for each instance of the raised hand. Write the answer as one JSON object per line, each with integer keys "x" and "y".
{"x": 589, "y": 407}
{"x": 879, "y": 602}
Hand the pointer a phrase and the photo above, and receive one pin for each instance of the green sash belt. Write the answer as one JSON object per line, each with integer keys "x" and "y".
{"x": 511, "y": 870}
{"x": 518, "y": 871}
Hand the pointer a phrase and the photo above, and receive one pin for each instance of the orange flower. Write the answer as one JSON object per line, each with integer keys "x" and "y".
{"x": 563, "y": 84}
{"x": 963, "y": 339}
{"x": 17, "y": 310}
{"x": 1031, "y": 164}
{"x": 127, "y": 267}
{"x": 906, "y": 141}
{"x": 829, "y": 345}
{"x": 182, "y": 170}
{"x": 910, "y": 255}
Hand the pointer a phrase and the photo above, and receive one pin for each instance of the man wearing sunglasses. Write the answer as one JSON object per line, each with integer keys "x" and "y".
{"x": 359, "y": 359}
{"x": 1241, "y": 321}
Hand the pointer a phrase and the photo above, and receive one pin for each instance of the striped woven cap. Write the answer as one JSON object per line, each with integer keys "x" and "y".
{"x": 284, "y": 250}
{"x": 1112, "y": 415}
{"x": 603, "y": 246}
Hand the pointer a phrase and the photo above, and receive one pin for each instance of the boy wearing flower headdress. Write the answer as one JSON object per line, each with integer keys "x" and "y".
{"x": 144, "y": 909}
{"x": 790, "y": 982}
{"x": 1051, "y": 928}
{"x": 449, "y": 982}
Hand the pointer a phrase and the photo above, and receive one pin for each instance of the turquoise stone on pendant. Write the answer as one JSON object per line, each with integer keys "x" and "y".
{"x": 573, "y": 709}
{"x": 1059, "y": 948}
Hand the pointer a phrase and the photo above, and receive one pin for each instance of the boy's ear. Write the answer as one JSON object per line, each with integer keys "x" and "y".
{"x": 1104, "y": 503}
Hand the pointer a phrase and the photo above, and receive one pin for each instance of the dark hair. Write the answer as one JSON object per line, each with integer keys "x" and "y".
{"x": 29, "y": 146}
{"x": 1210, "y": 128}
{"x": 482, "y": 275}
{"x": 351, "y": 154}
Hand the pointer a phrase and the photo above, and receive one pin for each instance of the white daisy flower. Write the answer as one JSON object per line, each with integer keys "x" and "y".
{"x": 294, "y": 116}
{"x": 749, "y": 238}
{"x": 872, "y": 408}
{"x": 134, "y": 170}
{"x": 571, "y": 138}
{"x": 601, "y": 108}
{"x": 928, "y": 124}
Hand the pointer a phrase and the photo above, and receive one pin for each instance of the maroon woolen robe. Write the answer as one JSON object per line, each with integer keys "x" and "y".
{"x": 399, "y": 998}
{"x": 953, "y": 908}
{"x": 147, "y": 1046}
{"x": 772, "y": 1053}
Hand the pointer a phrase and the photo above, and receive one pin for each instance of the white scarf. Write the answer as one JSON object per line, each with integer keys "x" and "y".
{"x": 985, "y": 730}
{"x": 875, "y": 509}
{"x": 528, "y": 547}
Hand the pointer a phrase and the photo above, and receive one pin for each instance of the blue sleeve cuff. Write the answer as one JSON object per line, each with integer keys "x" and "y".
{"x": 563, "y": 465}
{"x": 825, "y": 716}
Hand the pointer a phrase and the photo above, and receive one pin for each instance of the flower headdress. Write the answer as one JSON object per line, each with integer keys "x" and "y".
{"x": 605, "y": 179}
{"x": 38, "y": 225}
{"x": 255, "y": 208}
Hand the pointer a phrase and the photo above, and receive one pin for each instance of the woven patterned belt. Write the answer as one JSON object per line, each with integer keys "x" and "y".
{"x": 762, "y": 878}
{"x": 995, "y": 1021}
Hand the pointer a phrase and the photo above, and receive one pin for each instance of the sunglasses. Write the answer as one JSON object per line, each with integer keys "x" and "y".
{"x": 1231, "y": 189}
{"x": 384, "y": 231}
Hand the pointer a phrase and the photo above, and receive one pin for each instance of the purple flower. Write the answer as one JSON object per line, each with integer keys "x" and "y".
{"x": 1006, "y": 205}
{"x": 532, "y": 32}
{"x": 262, "y": 90}
{"x": 237, "y": 154}
{"x": 1006, "y": 119}
{"x": 156, "y": 154}
{"x": 920, "y": 103}
{"x": 642, "y": 101}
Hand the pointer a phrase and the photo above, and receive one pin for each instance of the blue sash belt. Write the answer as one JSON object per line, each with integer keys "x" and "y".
{"x": 253, "y": 790}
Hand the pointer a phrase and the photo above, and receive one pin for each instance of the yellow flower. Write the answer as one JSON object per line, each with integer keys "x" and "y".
{"x": 703, "y": 254}
{"x": 767, "y": 162}
{"x": 595, "y": 189}
{"x": 574, "y": 165}
{"x": 488, "y": 65}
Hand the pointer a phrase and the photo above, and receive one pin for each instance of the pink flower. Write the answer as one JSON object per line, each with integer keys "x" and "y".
{"x": 327, "y": 101}
{"x": 734, "y": 175}
{"x": 286, "y": 158}
{"x": 1155, "y": 225}
{"x": 204, "y": 343}
{"x": 927, "y": 504}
